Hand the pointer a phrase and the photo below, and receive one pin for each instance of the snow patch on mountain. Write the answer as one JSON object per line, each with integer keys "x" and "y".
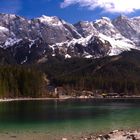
{"x": 118, "y": 46}
{"x": 82, "y": 41}
{"x": 53, "y": 21}
{"x": 10, "y": 42}
{"x": 67, "y": 56}
{"x": 3, "y": 29}
{"x": 103, "y": 20}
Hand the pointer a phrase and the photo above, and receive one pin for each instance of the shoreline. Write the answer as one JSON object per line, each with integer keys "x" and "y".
{"x": 29, "y": 99}
{"x": 132, "y": 133}
{"x": 63, "y": 98}
{"x": 110, "y": 135}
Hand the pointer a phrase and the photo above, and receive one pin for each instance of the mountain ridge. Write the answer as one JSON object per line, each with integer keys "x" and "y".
{"x": 36, "y": 39}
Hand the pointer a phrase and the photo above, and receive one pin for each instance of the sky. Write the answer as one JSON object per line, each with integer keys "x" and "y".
{"x": 72, "y": 10}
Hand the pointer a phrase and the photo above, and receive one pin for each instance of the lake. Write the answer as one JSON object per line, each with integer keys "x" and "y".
{"x": 74, "y": 117}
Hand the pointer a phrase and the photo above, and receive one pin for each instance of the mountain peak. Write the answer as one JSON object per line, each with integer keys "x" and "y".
{"x": 53, "y": 20}
{"x": 122, "y": 17}
{"x": 43, "y": 36}
{"x": 106, "y": 18}
{"x": 103, "y": 20}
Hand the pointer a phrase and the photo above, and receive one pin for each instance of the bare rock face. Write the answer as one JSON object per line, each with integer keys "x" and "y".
{"x": 129, "y": 28}
{"x": 50, "y": 29}
{"x": 33, "y": 40}
{"x": 17, "y": 26}
{"x": 54, "y": 30}
{"x": 30, "y": 51}
{"x": 86, "y": 28}
{"x": 105, "y": 26}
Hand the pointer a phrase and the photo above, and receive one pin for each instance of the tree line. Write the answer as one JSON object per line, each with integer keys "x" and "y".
{"x": 119, "y": 74}
{"x": 20, "y": 81}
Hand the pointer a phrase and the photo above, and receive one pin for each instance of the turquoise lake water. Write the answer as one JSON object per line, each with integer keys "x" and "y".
{"x": 70, "y": 116}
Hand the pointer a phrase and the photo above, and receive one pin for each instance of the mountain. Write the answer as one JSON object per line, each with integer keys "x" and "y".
{"x": 110, "y": 74}
{"x": 34, "y": 40}
{"x": 129, "y": 28}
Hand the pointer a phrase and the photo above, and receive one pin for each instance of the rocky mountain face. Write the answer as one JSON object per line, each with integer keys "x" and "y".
{"x": 129, "y": 28}
{"x": 34, "y": 40}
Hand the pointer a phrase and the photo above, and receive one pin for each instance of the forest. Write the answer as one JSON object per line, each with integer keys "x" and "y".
{"x": 18, "y": 81}
{"x": 119, "y": 74}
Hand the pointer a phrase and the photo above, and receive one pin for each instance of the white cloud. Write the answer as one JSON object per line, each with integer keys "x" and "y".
{"x": 113, "y": 6}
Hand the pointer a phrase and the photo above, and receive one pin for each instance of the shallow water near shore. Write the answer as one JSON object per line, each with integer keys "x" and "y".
{"x": 69, "y": 117}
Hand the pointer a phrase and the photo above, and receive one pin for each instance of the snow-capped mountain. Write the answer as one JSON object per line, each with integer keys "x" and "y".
{"x": 129, "y": 28}
{"x": 86, "y": 28}
{"x": 33, "y": 40}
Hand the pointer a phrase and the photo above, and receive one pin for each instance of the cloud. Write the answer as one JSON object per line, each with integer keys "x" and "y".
{"x": 112, "y": 6}
{"x": 10, "y": 6}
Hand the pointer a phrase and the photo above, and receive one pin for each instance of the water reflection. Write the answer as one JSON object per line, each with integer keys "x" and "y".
{"x": 73, "y": 115}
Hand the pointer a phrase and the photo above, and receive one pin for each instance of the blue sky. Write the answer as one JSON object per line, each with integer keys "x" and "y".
{"x": 71, "y": 10}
